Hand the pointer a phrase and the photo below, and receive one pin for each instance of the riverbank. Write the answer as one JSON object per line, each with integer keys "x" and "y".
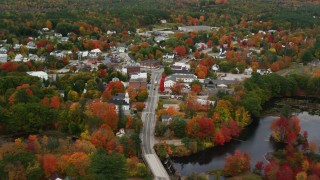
{"x": 255, "y": 139}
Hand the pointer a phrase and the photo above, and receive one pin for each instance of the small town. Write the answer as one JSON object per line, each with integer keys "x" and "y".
{"x": 185, "y": 89}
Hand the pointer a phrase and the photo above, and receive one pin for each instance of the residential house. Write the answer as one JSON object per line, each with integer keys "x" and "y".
{"x": 17, "y": 47}
{"x": 201, "y": 46}
{"x": 120, "y": 133}
{"x": 59, "y": 35}
{"x": 248, "y": 71}
{"x": 180, "y": 66}
{"x": 31, "y": 45}
{"x": 64, "y": 39}
{"x": 3, "y": 58}
{"x": 168, "y": 58}
{"x": 121, "y": 49}
{"x": 217, "y": 83}
{"x": 45, "y": 29}
{"x": 174, "y": 78}
{"x": 205, "y": 102}
{"x": 94, "y": 53}
{"x": 18, "y": 58}
{"x": 40, "y": 74}
{"x": 3, "y": 50}
{"x": 33, "y": 57}
{"x": 121, "y": 100}
{"x": 163, "y": 21}
{"x": 150, "y": 63}
{"x": 166, "y": 118}
{"x": 215, "y": 67}
{"x": 222, "y": 54}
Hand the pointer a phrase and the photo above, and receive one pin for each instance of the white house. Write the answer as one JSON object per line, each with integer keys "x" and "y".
{"x": 163, "y": 21}
{"x": 3, "y": 58}
{"x": 121, "y": 100}
{"x": 18, "y": 58}
{"x": 121, "y": 49}
{"x": 95, "y": 53}
{"x": 201, "y": 46}
{"x": 169, "y": 83}
{"x": 215, "y": 67}
{"x": 182, "y": 65}
{"x": 205, "y": 102}
{"x": 120, "y": 133}
{"x": 31, "y": 45}
{"x": 184, "y": 78}
{"x": 40, "y": 74}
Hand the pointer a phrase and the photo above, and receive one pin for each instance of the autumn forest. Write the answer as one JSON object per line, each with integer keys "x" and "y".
{"x": 76, "y": 78}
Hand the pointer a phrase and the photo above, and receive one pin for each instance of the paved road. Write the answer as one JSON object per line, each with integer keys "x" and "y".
{"x": 149, "y": 120}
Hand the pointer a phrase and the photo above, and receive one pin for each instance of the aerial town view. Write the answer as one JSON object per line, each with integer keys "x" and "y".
{"x": 159, "y": 89}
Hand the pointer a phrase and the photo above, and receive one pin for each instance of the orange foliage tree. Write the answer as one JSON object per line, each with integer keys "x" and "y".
{"x": 104, "y": 137}
{"x": 236, "y": 164}
{"x": 107, "y": 112}
{"x": 80, "y": 162}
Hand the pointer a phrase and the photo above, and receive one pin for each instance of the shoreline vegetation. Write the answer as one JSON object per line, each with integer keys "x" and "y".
{"x": 272, "y": 93}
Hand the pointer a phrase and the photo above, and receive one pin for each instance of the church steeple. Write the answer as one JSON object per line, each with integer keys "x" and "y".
{"x": 126, "y": 98}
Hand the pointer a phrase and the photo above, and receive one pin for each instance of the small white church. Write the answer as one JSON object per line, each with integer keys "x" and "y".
{"x": 121, "y": 100}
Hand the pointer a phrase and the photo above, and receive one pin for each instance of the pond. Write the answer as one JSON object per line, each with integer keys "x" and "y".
{"x": 254, "y": 140}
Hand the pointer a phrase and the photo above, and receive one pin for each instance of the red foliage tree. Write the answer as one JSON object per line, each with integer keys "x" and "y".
{"x": 9, "y": 66}
{"x": 49, "y": 164}
{"x": 189, "y": 41}
{"x": 285, "y": 130}
{"x": 196, "y": 54}
{"x": 106, "y": 95}
{"x": 55, "y": 102}
{"x": 176, "y": 88}
{"x": 180, "y": 50}
{"x": 196, "y": 88}
{"x": 200, "y": 127}
{"x": 219, "y": 138}
{"x": 285, "y": 172}
{"x": 161, "y": 85}
{"x": 115, "y": 87}
{"x": 102, "y": 73}
{"x": 49, "y": 47}
{"x": 271, "y": 170}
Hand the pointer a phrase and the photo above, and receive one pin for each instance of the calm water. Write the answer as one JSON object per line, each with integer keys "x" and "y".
{"x": 254, "y": 140}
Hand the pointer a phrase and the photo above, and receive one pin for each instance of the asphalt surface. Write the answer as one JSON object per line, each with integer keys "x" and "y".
{"x": 147, "y": 136}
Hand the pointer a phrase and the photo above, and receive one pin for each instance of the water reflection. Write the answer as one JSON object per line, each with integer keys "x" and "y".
{"x": 254, "y": 140}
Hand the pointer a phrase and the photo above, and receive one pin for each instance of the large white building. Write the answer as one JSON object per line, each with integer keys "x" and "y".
{"x": 184, "y": 78}
{"x": 40, "y": 74}
{"x": 139, "y": 76}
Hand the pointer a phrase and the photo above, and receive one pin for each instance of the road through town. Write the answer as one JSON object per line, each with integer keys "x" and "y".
{"x": 147, "y": 136}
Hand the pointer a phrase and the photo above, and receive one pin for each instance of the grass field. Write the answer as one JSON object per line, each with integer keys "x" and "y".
{"x": 298, "y": 69}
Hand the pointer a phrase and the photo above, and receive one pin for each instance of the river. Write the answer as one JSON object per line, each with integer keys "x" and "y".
{"x": 254, "y": 140}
